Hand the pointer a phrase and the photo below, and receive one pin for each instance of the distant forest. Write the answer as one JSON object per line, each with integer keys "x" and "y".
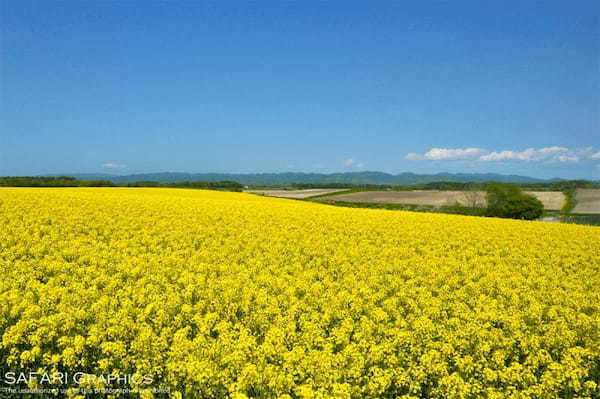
{"x": 560, "y": 185}
{"x": 67, "y": 181}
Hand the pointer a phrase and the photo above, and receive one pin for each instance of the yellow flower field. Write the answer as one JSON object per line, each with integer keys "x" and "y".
{"x": 221, "y": 295}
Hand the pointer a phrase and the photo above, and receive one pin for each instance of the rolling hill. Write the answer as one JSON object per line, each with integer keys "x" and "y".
{"x": 290, "y": 177}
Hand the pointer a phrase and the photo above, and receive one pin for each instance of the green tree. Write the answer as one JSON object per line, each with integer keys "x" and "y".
{"x": 509, "y": 201}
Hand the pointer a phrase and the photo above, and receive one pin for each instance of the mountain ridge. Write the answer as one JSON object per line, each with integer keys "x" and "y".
{"x": 364, "y": 177}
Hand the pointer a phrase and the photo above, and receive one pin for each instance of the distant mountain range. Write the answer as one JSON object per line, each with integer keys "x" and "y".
{"x": 289, "y": 178}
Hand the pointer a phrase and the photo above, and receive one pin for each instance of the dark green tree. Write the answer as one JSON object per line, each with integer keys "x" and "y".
{"x": 509, "y": 201}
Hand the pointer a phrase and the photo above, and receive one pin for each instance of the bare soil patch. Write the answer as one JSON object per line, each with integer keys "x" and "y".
{"x": 416, "y": 197}
{"x": 587, "y": 201}
{"x": 296, "y": 194}
{"x": 551, "y": 200}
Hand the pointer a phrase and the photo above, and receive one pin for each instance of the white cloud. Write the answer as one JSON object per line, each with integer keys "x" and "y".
{"x": 544, "y": 154}
{"x": 113, "y": 165}
{"x": 411, "y": 156}
{"x": 552, "y": 150}
{"x": 354, "y": 162}
{"x": 506, "y": 155}
{"x": 547, "y": 154}
{"x": 567, "y": 158}
{"x": 438, "y": 154}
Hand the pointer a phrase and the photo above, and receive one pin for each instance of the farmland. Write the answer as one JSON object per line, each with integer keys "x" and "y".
{"x": 232, "y": 295}
{"x": 587, "y": 201}
{"x": 295, "y": 194}
{"x": 552, "y": 200}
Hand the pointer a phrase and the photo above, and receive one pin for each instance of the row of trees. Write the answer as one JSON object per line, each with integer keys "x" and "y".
{"x": 560, "y": 185}
{"x": 59, "y": 181}
{"x": 208, "y": 185}
{"x": 67, "y": 181}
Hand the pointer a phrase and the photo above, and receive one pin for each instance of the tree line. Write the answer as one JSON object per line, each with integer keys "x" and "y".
{"x": 559, "y": 185}
{"x": 67, "y": 181}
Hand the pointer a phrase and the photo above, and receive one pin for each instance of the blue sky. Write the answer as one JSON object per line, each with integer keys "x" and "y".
{"x": 421, "y": 86}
